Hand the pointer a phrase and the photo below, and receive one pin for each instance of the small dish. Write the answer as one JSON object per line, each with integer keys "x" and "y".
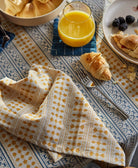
{"x": 116, "y": 9}
{"x": 34, "y": 21}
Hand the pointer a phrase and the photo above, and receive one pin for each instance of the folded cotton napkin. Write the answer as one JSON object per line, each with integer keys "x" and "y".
{"x": 11, "y": 35}
{"x": 61, "y": 49}
{"x": 47, "y": 109}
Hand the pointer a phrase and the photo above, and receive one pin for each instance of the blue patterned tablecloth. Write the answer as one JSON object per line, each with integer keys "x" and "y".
{"x": 32, "y": 45}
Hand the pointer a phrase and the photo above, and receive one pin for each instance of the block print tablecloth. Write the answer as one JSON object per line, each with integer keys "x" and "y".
{"x": 32, "y": 45}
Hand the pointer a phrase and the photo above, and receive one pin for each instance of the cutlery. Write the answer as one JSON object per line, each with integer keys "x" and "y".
{"x": 86, "y": 81}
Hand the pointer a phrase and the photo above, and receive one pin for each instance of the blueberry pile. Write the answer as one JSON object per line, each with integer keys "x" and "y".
{"x": 122, "y": 23}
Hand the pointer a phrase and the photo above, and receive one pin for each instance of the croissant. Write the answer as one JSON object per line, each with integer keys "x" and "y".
{"x": 12, "y": 7}
{"x": 96, "y": 65}
{"x": 127, "y": 43}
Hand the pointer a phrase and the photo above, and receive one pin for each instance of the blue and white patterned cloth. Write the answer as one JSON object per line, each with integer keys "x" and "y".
{"x": 33, "y": 45}
{"x": 11, "y": 35}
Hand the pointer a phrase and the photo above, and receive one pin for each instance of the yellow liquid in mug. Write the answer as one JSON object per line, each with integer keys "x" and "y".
{"x": 76, "y": 28}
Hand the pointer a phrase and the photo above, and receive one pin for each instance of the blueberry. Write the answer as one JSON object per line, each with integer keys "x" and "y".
{"x": 121, "y": 19}
{"x": 123, "y": 26}
{"x": 116, "y": 22}
{"x": 130, "y": 19}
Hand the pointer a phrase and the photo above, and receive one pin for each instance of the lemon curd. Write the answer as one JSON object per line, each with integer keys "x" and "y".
{"x": 76, "y": 28}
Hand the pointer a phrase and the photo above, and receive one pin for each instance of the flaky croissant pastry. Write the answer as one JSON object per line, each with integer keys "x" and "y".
{"x": 127, "y": 43}
{"x": 96, "y": 65}
{"x": 12, "y": 7}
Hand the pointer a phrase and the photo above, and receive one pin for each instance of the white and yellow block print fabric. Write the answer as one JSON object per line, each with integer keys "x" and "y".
{"x": 47, "y": 109}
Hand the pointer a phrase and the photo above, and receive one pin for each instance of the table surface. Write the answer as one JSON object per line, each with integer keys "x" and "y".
{"x": 32, "y": 45}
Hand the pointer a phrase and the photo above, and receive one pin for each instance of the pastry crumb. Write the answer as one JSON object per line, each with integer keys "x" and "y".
{"x": 136, "y": 31}
{"x": 131, "y": 68}
{"x": 115, "y": 82}
{"x": 124, "y": 66}
{"x": 92, "y": 84}
{"x": 131, "y": 76}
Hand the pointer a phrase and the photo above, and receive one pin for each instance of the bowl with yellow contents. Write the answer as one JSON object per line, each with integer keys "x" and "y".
{"x": 30, "y": 12}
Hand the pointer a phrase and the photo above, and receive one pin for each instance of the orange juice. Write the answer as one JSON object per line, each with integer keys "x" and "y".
{"x": 76, "y": 28}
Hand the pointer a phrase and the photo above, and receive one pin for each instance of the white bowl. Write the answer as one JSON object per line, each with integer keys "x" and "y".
{"x": 34, "y": 20}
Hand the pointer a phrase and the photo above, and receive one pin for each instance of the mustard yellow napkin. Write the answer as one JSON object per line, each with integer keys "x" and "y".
{"x": 47, "y": 109}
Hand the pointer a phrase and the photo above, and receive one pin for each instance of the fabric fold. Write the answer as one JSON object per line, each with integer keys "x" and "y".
{"x": 47, "y": 109}
{"x": 11, "y": 36}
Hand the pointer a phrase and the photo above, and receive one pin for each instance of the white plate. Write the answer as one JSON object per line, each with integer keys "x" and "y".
{"x": 116, "y": 9}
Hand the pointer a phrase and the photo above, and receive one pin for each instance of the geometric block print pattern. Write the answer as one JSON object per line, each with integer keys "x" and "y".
{"x": 4, "y": 161}
{"x": 47, "y": 109}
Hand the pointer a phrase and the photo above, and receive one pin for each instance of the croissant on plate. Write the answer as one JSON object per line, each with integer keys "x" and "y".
{"x": 97, "y": 65}
{"x": 127, "y": 43}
